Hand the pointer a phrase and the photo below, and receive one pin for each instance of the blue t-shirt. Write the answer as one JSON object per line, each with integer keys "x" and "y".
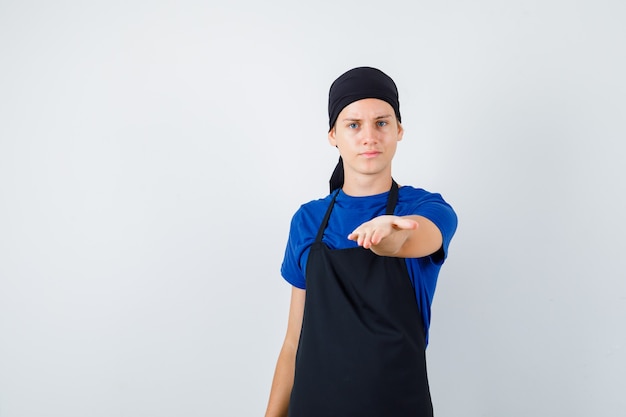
{"x": 350, "y": 212}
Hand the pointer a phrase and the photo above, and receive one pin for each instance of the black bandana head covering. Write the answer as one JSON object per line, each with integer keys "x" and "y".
{"x": 353, "y": 85}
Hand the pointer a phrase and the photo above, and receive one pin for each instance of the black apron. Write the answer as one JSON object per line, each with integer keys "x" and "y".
{"x": 362, "y": 346}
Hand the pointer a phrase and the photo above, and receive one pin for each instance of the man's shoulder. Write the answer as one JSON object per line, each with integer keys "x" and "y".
{"x": 313, "y": 209}
{"x": 316, "y": 204}
{"x": 417, "y": 197}
{"x": 411, "y": 192}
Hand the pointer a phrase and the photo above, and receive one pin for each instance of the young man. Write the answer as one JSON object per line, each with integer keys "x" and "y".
{"x": 363, "y": 263}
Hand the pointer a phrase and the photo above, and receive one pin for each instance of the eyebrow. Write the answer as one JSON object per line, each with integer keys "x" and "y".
{"x": 352, "y": 119}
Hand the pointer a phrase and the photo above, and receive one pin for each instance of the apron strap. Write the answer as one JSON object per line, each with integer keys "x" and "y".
{"x": 392, "y": 199}
{"x": 320, "y": 232}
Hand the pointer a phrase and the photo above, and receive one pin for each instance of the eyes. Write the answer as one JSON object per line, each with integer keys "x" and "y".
{"x": 379, "y": 123}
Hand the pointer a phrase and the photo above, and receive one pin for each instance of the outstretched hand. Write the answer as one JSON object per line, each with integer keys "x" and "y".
{"x": 373, "y": 232}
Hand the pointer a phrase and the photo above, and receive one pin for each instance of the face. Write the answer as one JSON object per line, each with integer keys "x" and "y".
{"x": 366, "y": 134}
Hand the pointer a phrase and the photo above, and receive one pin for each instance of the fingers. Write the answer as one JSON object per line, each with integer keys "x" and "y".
{"x": 373, "y": 232}
{"x": 368, "y": 236}
{"x": 360, "y": 237}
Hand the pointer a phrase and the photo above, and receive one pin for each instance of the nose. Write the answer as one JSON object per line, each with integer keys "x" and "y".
{"x": 369, "y": 134}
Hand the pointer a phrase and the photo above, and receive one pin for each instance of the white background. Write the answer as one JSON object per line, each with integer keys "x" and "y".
{"x": 152, "y": 154}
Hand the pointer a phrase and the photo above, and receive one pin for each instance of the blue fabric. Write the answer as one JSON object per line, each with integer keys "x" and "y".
{"x": 348, "y": 213}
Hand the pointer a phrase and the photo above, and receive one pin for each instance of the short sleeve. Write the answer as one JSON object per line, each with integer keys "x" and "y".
{"x": 436, "y": 209}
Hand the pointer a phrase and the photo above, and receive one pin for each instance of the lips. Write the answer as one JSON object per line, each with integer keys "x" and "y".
{"x": 370, "y": 154}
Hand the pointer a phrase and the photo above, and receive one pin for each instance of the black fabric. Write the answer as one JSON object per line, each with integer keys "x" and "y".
{"x": 357, "y": 84}
{"x": 362, "y": 350}
{"x": 353, "y": 85}
{"x": 336, "y": 179}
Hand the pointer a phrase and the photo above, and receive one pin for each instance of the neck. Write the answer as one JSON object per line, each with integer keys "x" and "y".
{"x": 366, "y": 185}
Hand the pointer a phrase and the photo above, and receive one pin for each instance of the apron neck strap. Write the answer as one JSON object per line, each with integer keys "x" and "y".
{"x": 392, "y": 199}
{"x": 320, "y": 232}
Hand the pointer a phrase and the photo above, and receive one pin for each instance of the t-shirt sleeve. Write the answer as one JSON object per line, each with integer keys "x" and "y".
{"x": 437, "y": 210}
{"x": 291, "y": 269}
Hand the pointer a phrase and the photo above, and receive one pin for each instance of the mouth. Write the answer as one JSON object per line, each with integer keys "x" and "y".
{"x": 370, "y": 154}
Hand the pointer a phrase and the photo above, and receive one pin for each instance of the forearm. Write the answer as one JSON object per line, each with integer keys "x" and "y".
{"x": 282, "y": 383}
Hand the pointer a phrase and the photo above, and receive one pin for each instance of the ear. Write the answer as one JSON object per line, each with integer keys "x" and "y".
{"x": 331, "y": 137}
{"x": 400, "y": 131}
